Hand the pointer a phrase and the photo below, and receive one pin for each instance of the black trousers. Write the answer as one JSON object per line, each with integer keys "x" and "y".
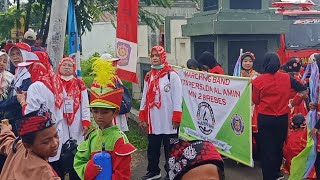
{"x": 154, "y": 148}
{"x": 317, "y": 165}
{"x": 57, "y": 166}
{"x": 272, "y": 134}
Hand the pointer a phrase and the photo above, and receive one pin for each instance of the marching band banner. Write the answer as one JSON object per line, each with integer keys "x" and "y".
{"x": 127, "y": 39}
{"x": 217, "y": 108}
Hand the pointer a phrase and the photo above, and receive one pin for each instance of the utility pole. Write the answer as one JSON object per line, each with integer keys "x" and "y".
{"x": 57, "y": 31}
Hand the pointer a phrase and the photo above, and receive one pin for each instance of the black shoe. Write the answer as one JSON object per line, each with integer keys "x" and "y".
{"x": 167, "y": 177}
{"x": 151, "y": 176}
{"x": 280, "y": 176}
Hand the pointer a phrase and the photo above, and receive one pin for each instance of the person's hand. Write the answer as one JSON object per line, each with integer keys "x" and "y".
{"x": 21, "y": 97}
{"x": 99, "y": 168}
{"x": 313, "y": 132}
{"x": 85, "y": 130}
{"x": 175, "y": 125}
{"x": 312, "y": 106}
{"x": 142, "y": 124}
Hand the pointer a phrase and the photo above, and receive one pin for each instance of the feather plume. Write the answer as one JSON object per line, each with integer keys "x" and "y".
{"x": 103, "y": 71}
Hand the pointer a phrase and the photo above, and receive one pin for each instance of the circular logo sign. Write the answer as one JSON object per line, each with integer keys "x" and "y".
{"x": 237, "y": 124}
{"x": 205, "y": 118}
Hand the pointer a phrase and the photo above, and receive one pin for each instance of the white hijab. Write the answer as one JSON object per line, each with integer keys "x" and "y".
{"x": 22, "y": 73}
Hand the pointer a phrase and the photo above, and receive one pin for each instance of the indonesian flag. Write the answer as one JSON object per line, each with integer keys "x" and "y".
{"x": 127, "y": 38}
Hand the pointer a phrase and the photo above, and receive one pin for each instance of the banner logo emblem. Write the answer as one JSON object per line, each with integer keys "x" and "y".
{"x": 205, "y": 118}
{"x": 123, "y": 52}
{"x": 237, "y": 124}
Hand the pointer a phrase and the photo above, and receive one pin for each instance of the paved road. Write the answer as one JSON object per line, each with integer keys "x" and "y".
{"x": 233, "y": 171}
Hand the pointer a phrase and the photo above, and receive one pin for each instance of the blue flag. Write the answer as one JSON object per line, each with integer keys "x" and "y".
{"x": 74, "y": 42}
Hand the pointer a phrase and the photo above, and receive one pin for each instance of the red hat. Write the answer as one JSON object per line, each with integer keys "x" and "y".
{"x": 186, "y": 155}
{"x": 35, "y": 121}
{"x": 20, "y": 45}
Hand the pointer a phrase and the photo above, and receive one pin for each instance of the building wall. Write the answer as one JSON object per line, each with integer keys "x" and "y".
{"x": 100, "y": 39}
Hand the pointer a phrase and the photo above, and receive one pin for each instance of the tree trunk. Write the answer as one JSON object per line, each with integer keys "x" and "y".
{"x": 18, "y": 4}
{"x": 44, "y": 15}
{"x": 26, "y": 25}
{"x": 46, "y": 32}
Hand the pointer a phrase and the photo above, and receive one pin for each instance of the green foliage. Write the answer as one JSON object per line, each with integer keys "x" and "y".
{"x": 86, "y": 65}
{"x": 136, "y": 135}
{"x": 88, "y": 80}
{"x": 36, "y": 15}
{"x": 8, "y": 20}
{"x": 2, "y": 8}
{"x": 136, "y": 104}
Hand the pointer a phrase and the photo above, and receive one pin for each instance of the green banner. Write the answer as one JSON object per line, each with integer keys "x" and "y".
{"x": 218, "y": 109}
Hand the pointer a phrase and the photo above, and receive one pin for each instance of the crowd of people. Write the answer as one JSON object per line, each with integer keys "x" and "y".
{"x": 45, "y": 114}
{"x": 47, "y": 129}
{"x": 280, "y": 105}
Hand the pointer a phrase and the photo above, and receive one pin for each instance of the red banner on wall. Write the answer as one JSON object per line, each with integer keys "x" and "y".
{"x": 127, "y": 38}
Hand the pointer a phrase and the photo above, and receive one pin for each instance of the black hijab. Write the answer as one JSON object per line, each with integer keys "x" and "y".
{"x": 207, "y": 58}
{"x": 271, "y": 63}
{"x": 193, "y": 63}
{"x": 294, "y": 65}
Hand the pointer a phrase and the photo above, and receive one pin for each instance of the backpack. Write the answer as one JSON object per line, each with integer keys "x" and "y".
{"x": 126, "y": 102}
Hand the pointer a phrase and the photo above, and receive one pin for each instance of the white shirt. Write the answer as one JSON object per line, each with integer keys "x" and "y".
{"x": 161, "y": 119}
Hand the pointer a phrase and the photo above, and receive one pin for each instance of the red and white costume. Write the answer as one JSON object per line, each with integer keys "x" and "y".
{"x": 77, "y": 114}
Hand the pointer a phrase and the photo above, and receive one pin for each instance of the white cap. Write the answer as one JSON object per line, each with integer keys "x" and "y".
{"x": 30, "y": 35}
{"x": 108, "y": 57}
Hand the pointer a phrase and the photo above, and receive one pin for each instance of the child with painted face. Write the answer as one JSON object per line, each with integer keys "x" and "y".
{"x": 28, "y": 158}
{"x": 121, "y": 119}
{"x": 105, "y": 102}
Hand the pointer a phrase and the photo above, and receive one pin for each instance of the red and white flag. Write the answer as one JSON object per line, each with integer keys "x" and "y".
{"x": 127, "y": 38}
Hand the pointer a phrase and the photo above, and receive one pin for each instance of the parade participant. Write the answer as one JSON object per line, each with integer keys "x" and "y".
{"x": 78, "y": 119}
{"x": 293, "y": 67}
{"x": 193, "y": 64}
{"x": 38, "y": 45}
{"x": 46, "y": 89}
{"x": 160, "y": 109}
{"x": 315, "y": 106}
{"x": 293, "y": 145}
{"x": 210, "y": 63}
{"x": 5, "y": 76}
{"x": 270, "y": 92}
{"x": 247, "y": 70}
{"x": 5, "y": 81}
{"x": 18, "y": 52}
{"x": 28, "y": 158}
{"x": 190, "y": 159}
{"x": 104, "y": 103}
{"x": 30, "y": 37}
{"x": 76, "y": 112}
{"x": 121, "y": 119}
